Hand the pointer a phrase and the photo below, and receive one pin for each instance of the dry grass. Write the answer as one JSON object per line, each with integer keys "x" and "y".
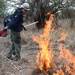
{"x": 30, "y": 48}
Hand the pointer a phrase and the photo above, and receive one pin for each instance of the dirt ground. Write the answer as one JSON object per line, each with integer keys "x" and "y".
{"x": 27, "y": 64}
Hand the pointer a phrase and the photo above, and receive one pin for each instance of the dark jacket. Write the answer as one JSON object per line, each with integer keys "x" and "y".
{"x": 16, "y": 23}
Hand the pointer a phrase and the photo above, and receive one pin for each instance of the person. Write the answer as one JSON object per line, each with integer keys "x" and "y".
{"x": 15, "y": 25}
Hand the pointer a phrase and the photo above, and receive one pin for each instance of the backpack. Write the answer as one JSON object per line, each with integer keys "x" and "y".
{"x": 8, "y": 18}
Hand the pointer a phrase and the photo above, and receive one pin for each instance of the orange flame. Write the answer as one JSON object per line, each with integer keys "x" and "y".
{"x": 63, "y": 37}
{"x": 44, "y": 56}
{"x": 60, "y": 72}
{"x": 53, "y": 29}
{"x": 67, "y": 56}
{"x": 70, "y": 59}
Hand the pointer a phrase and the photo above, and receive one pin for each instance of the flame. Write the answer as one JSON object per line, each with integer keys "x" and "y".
{"x": 69, "y": 57}
{"x": 59, "y": 72}
{"x": 44, "y": 56}
{"x": 53, "y": 29}
{"x": 63, "y": 37}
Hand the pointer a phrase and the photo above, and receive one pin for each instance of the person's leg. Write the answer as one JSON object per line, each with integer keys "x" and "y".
{"x": 12, "y": 48}
{"x": 12, "y": 51}
{"x": 17, "y": 51}
{"x": 17, "y": 44}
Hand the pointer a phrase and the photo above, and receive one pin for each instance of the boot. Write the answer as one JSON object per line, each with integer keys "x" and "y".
{"x": 10, "y": 57}
{"x": 17, "y": 57}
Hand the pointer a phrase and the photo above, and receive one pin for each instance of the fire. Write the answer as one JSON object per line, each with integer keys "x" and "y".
{"x": 60, "y": 72}
{"x": 44, "y": 56}
{"x": 63, "y": 37}
{"x": 67, "y": 57}
{"x": 70, "y": 59}
{"x": 53, "y": 29}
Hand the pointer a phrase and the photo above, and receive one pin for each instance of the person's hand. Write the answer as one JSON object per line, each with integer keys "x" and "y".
{"x": 5, "y": 28}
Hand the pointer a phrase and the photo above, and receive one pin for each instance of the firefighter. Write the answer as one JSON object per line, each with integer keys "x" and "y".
{"x": 15, "y": 25}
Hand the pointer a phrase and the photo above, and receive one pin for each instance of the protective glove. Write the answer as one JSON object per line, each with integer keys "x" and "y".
{"x": 5, "y": 28}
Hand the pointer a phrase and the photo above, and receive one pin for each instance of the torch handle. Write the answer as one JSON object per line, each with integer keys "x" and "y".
{"x": 31, "y": 24}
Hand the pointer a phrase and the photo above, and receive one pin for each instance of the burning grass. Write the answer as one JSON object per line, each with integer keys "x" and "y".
{"x": 46, "y": 63}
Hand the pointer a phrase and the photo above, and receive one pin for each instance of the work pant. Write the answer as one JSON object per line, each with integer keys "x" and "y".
{"x": 16, "y": 44}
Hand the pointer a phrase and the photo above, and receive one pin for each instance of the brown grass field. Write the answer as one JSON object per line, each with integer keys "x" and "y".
{"x": 26, "y": 65}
